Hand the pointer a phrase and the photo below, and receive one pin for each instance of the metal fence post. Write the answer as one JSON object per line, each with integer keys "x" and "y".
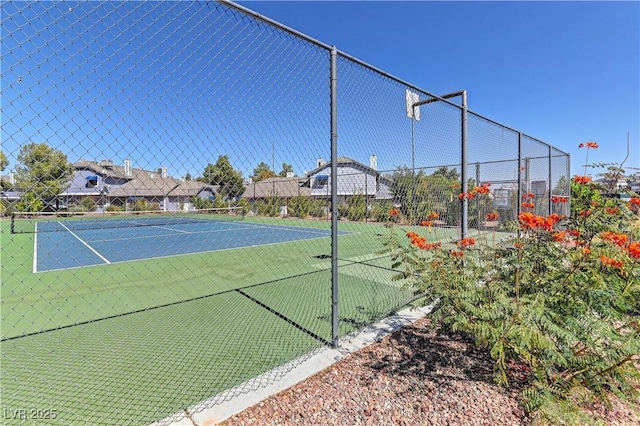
{"x": 334, "y": 198}
{"x": 465, "y": 202}
{"x": 519, "y": 190}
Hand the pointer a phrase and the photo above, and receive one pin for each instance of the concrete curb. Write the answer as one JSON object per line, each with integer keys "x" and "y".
{"x": 322, "y": 359}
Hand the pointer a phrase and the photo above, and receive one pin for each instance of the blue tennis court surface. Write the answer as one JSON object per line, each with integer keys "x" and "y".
{"x": 59, "y": 246}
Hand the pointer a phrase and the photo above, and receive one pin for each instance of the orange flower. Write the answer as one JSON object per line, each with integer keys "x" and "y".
{"x": 586, "y": 250}
{"x": 634, "y": 249}
{"x": 430, "y": 246}
{"x": 482, "y": 189}
{"x": 455, "y": 253}
{"x": 593, "y": 145}
{"x": 528, "y": 205}
{"x": 466, "y": 195}
{"x": 528, "y": 195}
{"x": 617, "y": 239}
{"x": 394, "y": 212}
{"x": 433, "y": 215}
{"x": 613, "y": 210}
{"x": 492, "y": 216}
{"x": 559, "y": 236}
{"x": 610, "y": 262}
{"x": 573, "y": 232}
{"x": 583, "y": 180}
{"x": 426, "y": 223}
{"x": 558, "y": 199}
{"x": 518, "y": 245}
{"x": 584, "y": 213}
{"x": 466, "y": 242}
{"x": 594, "y": 204}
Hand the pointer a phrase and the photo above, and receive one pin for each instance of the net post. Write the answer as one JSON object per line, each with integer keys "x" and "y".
{"x": 13, "y": 222}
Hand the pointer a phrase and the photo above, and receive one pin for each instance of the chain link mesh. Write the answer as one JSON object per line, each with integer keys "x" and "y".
{"x": 166, "y": 202}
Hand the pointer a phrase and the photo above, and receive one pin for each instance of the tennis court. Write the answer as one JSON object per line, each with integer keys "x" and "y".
{"x": 78, "y": 242}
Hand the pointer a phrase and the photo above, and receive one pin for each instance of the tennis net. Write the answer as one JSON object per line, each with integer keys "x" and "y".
{"x": 32, "y": 222}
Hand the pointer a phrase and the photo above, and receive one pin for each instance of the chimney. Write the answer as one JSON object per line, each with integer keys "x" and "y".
{"x": 12, "y": 178}
{"x": 289, "y": 174}
{"x": 320, "y": 162}
{"x": 162, "y": 171}
{"x": 373, "y": 162}
{"x": 127, "y": 167}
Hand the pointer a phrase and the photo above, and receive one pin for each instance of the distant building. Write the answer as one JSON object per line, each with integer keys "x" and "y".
{"x": 119, "y": 185}
{"x": 353, "y": 178}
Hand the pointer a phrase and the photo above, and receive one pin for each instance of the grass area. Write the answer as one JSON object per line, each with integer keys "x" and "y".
{"x": 159, "y": 335}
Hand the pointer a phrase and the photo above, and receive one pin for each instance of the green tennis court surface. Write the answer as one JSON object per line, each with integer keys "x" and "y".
{"x": 138, "y": 341}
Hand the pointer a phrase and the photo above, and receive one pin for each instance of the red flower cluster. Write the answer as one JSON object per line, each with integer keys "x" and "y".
{"x": 610, "y": 262}
{"x": 455, "y": 253}
{"x": 558, "y": 199}
{"x": 617, "y": 239}
{"x": 634, "y": 249}
{"x": 559, "y": 236}
{"x": 582, "y": 180}
{"x": 433, "y": 215}
{"x": 634, "y": 204}
{"x": 482, "y": 189}
{"x": 573, "y": 232}
{"x": 593, "y": 145}
{"x": 492, "y": 216}
{"x": 531, "y": 221}
{"x": 529, "y": 195}
{"x": 426, "y": 223}
{"x": 466, "y": 195}
{"x": 613, "y": 210}
{"x": 584, "y": 213}
{"x": 528, "y": 205}
{"x": 466, "y": 242}
{"x": 421, "y": 242}
{"x": 394, "y": 212}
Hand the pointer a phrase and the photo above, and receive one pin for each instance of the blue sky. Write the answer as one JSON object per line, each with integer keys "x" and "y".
{"x": 177, "y": 84}
{"x": 564, "y": 72}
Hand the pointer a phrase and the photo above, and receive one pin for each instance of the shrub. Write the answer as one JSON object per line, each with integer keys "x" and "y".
{"x": 357, "y": 207}
{"x": 115, "y": 208}
{"x": 318, "y": 208}
{"x": 299, "y": 206}
{"x": 557, "y": 299}
{"x": 88, "y": 204}
{"x": 30, "y": 202}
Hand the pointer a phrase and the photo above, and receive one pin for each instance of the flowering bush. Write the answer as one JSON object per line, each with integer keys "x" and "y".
{"x": 560, "y": 298}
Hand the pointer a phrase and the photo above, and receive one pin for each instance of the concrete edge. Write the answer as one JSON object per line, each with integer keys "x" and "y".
{"x": 320, "y": 360}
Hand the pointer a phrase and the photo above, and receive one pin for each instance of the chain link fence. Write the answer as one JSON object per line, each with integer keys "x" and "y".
{"x": 172, "y": 231}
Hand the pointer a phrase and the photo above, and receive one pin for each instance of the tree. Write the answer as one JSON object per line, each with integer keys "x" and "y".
{"x": 221, "y": 173}
{"x": 262, "y": 172}
{"x": 43, "y": 170}
{"x": 286, "y": 168}
{"x": 187, "y": 177}
{"x": 4, "y": 162}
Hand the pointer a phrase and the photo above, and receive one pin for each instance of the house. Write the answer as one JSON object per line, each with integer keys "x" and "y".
{"x": 353, "y": 178}
{"x": 120, "y": 185}
{"x": 282, "y": 187}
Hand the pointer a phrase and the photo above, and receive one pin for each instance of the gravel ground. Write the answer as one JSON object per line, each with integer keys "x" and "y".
{"x": 411, "y": 377}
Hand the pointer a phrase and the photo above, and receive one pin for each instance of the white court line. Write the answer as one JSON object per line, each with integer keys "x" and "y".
{"x": 171, "y": 229}
{"x": 83, "y": 242}
{"x": 35, "y": 249}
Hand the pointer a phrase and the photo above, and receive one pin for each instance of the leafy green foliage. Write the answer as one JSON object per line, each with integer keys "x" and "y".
{"x": 222, "y": 174}
{"x": 30, "y": 202}
{"x": 559, "y": 299}
{"x": 300, "y": 206}
{"x": 4, "y": 161}
{"x": 262, "y": 171}
{"x": 43, "y": 171}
